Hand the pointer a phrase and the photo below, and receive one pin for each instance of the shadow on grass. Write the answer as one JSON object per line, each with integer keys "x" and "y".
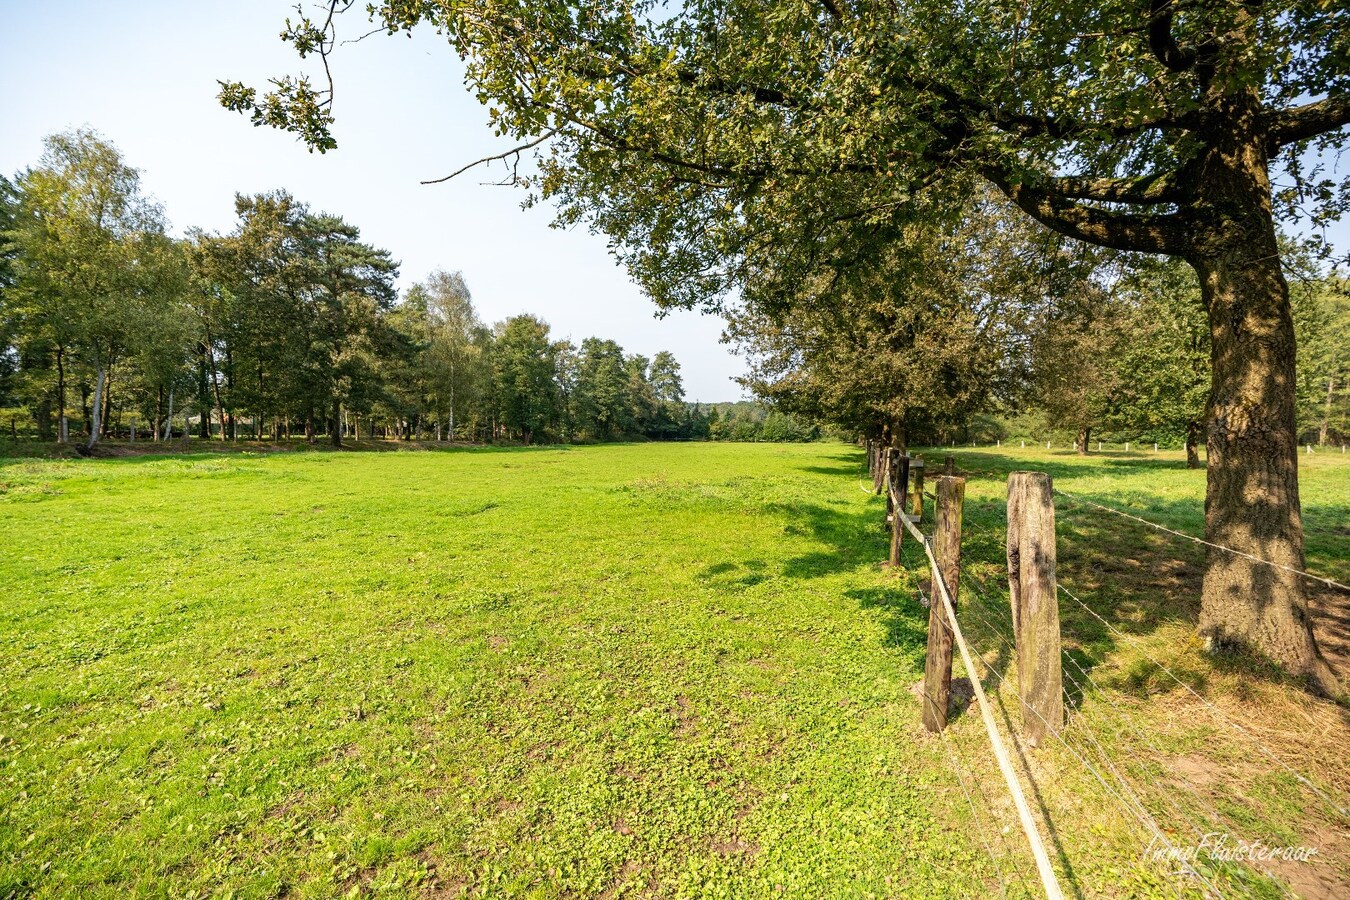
{"x": 1132, "y": 580}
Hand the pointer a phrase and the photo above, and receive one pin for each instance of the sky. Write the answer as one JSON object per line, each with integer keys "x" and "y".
{"x": 144, "y": 76}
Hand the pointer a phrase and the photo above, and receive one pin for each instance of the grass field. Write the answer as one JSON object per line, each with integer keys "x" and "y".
{"x": 671, "y": 670}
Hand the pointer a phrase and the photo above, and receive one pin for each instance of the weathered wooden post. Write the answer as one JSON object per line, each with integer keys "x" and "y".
{"x": 916, "y": 476}
{"x": 1033, "y": 593}
{"x": 897, "y": 490}
{"x": 937, "y": 670}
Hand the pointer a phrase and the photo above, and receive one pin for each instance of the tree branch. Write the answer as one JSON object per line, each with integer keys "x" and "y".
{"x": 1308, "y": 121}
{"x": 1147, "y": 189}
{"x": 1136, "y": 232}
{"x": 1161, "y": 41}
{"x": 496, "y": 156}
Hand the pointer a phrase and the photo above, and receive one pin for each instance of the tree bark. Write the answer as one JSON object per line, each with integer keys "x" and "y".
{"x": 203, "y": 394}
{"x": 168, "y": 419}
{"x": 96, "y": 410}
{"x": 335, "y": 428}
{"x": 1194, "y": 431}
{"x": 44, "y": 419}
{"x": 1326, "y": 414}
{"x": 1252, "y": 498}
{"x": 106, "y": 420}
{"x": 1081, "y": 443}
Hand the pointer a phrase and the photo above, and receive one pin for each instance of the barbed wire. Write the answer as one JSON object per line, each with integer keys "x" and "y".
{"x": 1043, "y": 866}
{"x": 1218, "y": 713}
{"x": 1190, "y": 537}
{"x": 979, "y": 826}
{"x": 1126, "y": 786}
{"x": 1133, "y": 810}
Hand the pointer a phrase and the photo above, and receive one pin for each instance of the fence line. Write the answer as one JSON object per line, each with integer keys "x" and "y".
{"x": 1132, "y": 792}
{"x": 1132, "y": 807}
{"x": 1046, "y": 871}
{"x": 979, "y": 826}
{"x": 1135, "y": 806}
{"x": 1218, "y": 713}
{"x": 1190, "y": 537}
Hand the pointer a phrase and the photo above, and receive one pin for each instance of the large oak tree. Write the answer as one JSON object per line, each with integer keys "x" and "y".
{"x": 735, "y": 145}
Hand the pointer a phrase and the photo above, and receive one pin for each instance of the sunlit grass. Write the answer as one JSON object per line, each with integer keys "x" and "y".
{"x": 675, "y": 669}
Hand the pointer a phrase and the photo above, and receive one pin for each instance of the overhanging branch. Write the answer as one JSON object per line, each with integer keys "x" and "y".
{"x": 1308, "y": 121}
{"x": 1135, "y": 232}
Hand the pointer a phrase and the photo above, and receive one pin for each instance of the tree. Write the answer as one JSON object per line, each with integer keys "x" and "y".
{"x": 453, "y": 354}
{"x": 1160, "y": 354}
{"x": 602, "y": 392}
{"x": 523, "y": 377}
{"x": 667, "y": 387}
{"x": 294, "y": 301}
{"x": 89, "y": 253}
{"x": 729, "y": 145}
{"x": 1322, "y": 321}
{"x": 922, "y": 333}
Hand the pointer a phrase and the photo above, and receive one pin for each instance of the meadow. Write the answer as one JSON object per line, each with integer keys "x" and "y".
{"x": 623, "y": 670}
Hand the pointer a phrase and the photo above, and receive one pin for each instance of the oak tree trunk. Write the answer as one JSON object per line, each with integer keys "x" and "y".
{"x": 1194, "y": 432}
{"x": 1252, "y": 498}
{"x": 1081, "y": 443}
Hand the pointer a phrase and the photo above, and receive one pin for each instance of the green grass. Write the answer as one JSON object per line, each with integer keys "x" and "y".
{"x": 623, "y": 670}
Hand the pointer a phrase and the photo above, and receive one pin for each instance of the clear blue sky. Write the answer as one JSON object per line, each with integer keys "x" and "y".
{"x": 144, "y": 75}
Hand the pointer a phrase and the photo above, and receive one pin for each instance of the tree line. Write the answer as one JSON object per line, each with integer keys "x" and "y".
{"x": 290, "y": 324}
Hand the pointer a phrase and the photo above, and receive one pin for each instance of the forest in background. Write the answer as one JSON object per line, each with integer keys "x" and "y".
{"x": 289, "y": 325}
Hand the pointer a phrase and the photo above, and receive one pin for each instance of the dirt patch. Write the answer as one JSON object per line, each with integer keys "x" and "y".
{"x": 733, "y": 846}
{"x": 684, "y": 716}
{"x": 1197, "y": 770}
{"x": 621, "y": 878}
{"x": 1322, "y": 877}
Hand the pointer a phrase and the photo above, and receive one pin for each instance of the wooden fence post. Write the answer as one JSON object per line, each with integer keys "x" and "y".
{"x": 897, "y": 490}
{"x": 916, "y": 476}
{"x": 1034, "y": 596}
{"x": 937, "y": 671}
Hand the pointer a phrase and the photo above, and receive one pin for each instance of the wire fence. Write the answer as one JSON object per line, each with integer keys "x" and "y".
{"x": 1107, "y": 735}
